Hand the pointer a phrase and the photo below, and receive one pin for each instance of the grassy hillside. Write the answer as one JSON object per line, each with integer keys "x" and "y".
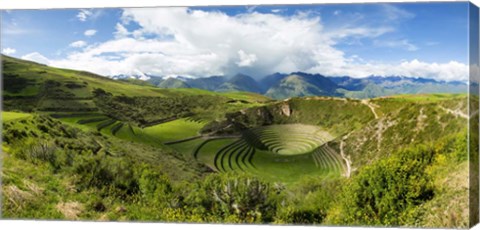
{"x": 405, "y": 121}
{"x": 9, "y": 116}
{"x": 30, "y": 86}
{"x": 80, "y": 146}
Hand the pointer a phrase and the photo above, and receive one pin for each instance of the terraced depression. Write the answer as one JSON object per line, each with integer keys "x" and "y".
{"x": 276, "y": 151}
{"x": 290, "y": 139}
{"x": 284, "y": 151}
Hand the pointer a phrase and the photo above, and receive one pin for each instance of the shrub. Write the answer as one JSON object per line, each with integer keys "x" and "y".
{"x": 246, "y": 198}
{"x": 38, "y": 151}
{"x": 309, "y": 202}
{"x": 108, "y": 174}
{"x": 388, "y": 191}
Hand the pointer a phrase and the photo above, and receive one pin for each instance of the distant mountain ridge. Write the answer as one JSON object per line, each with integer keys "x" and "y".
{"x": 297, "y": 84}
{"x": 240, "y": 82}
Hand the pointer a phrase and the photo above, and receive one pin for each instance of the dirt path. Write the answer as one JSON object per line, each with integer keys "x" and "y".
{"x": 181, "y": 140}
{"x": 367, "y": 103}
{"x": 457, "y": 112}
{"x": 348, "y": 162}
{"x": 474, "y": 113}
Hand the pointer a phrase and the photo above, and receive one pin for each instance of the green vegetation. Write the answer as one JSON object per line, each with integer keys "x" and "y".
{"x": 377, "y": 196}
{"x": 174, "y": 130}
{"x": 83, "y": 147}
{"x": 35, "y": 87}
{"x": 289, "y": 139}
{"x": 9, "y": 116}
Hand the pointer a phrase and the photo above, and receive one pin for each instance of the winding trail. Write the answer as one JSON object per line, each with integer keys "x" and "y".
{"x": 181, "y": 140}
{"x": 457, "y": 112}
{"x": 367, "y": 103}
{"x": 348, "y": 162}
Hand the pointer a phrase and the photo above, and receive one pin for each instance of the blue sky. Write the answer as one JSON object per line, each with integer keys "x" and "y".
{"x": 410, "y": 39}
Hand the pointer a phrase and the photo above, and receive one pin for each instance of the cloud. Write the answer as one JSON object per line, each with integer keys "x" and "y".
{"x": 246, "y": 59}
{"x": 8, "y": 51}
{"x": 89, "y": 33}
{"x": 396, "y": 13}
{"x": 251, "y": 9}
{"x": 83, "y": 15}
{"x": 403, "y": 44}
{"x": 78, "y": 44}
{"x": 120, "y": 31}
{"x": 36, "y": 57}
{"x": 362, "y": 32}
{"x": 187, "y": 42}
{"x": 450, "y": 71}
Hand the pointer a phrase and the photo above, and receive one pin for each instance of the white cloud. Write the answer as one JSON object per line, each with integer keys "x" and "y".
{"x": 337, "y": 12}
{"x": 450, "y": 71}
{"x": 246, "y": 59}
{"x": 91, "y": 14}
{"x": 404, "y": 44}
{"x": 181, "y": 41}
{"x": 78, "y": 44}
{"x": 120, "y": 31}
{"x": 8, "y": 51}
{"x": 89, "y": 33}
{"x": 393, "y": 12}
{"x": 83, "y": 15}
{"x": 36, "y": 57}
{"x": 251, "y": 9}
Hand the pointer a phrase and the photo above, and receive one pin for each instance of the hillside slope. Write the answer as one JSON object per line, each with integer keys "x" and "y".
{"x": 30, "y": 86}
{"x": 301, "y": 84}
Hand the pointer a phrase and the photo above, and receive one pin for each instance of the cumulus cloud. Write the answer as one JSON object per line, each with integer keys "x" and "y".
{"x": 8, "y": 51}
{"x": 187, "y": 42}
{"x": 36, "y": 57}
{"x": 78, "y": 44}
{"x": 89, "y": 33}
{"x": 246, "y": 59}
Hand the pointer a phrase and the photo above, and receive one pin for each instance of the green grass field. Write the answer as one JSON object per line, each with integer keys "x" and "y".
{"x": 426, "y": 97}
{"x": 291, "y": 139}
{"x": 174, "y": 130}
{"x": 9, "y": 116}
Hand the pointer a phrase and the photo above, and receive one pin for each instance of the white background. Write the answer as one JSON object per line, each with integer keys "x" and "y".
{"x": 48, "y": 4}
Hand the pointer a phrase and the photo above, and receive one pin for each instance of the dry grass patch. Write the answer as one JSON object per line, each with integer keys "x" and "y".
{"x": 34, "y": 188}
{"x": 16, "y": 196}
{"x": 71, "y": 210}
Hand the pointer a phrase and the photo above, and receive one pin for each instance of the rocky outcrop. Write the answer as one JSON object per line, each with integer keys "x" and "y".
{"x": 285, "y": 109}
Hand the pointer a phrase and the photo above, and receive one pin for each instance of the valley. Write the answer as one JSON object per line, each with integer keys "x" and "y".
{"x": 236, "y": 151}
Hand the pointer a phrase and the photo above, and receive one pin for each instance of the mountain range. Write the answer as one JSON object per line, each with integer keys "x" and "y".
{"x": 297, "y": 84}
